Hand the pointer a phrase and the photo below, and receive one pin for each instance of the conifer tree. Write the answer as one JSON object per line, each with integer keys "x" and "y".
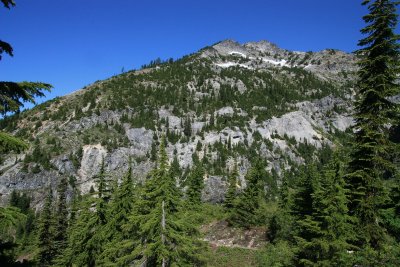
{"x": 121, "y": 208}
{"x": 46, "y": 233}
{"x": 281, "y": 224}
{"x": 391, "y": 214}
{"x": 11, "y": 219}
{"x": 175, "y": 168}
{"x": 247, "y": 205}
{"x": 322, "y": 229}
{"x": 61, "y": 226}
{"x": 307, "y": 228}
{"x": 332, "y": 212}
{"x": 166, "y": 239}
{"x": 187, "y": 128}
{"x": 103, "y": 195}
{"x": 230, "y": 194}
{"x": 196, "y": 184}
{"x": 370, "y": 163}
{"x": 81, "y": 248}
{"x": 13, "y": 95}
{"x": 86, "y": 237}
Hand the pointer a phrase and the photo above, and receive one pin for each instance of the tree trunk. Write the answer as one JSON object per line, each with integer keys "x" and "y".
{"x": 164, "y": 263}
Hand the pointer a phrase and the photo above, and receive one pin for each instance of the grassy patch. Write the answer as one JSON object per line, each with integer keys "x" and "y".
{"x": 232, "y": 257}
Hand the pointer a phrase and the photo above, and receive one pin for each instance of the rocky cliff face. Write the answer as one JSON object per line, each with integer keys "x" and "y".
{"x": 220, "y": 106}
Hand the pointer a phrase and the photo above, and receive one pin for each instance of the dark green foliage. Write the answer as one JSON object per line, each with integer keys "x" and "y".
{"x": 195, "y": 182}
{"x": 230, "y": 195}
{"x": 103, "y": 195}
{"x": 175, "y": 167}
{"x": 304, "y": 211}
{"x": 187, "y": 128}
{"x": 319, "y": 218}
{"x": 246, "y": 208}
{"x": 330, "y": 203}
{"x": 84, "y": 237}
{"x": 281, "y": 225}
{"x": 21, "y": 201}
{"x": 370, "y": 162}
{"x": 11, "y": 219}
{"x": 13, "y": 95}
{"x": 46, "y": 234}
{"x": 11, "y": 143}
{"x": 117, "y": 237}
{"x": 61, "y": 226}
{"x": 391, "y": 213}
{"x": 165, "y": 237}
{"x": 41, "y": 156}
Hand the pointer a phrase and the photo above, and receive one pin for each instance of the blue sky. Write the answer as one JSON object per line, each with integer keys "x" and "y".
{"x": 72, "y": 43}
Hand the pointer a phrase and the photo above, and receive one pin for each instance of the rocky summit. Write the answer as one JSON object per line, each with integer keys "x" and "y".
{"x": 222, "y": 106}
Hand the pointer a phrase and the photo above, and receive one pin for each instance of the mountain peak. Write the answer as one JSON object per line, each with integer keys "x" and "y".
{"x": 229, "y": 46}
{"x": 263, "y": 46}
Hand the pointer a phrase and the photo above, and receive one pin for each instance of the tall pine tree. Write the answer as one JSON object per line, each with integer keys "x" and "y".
{"x": 121, "y": 208}
{"x": 370, "y": 162}
{"x": 307, "y": 228}
{"x": 61, "y": 225}
{"x": 46, "y": 233}
{"x": 166, "y": 238}
{"x": 86, "y": 236}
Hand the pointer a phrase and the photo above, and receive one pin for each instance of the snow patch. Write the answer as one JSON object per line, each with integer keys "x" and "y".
{"x": 237, "y": 53}
{"x": 225, "y": 111}
{"x": 282, "y": 62}
{"x": 232, "y": 64}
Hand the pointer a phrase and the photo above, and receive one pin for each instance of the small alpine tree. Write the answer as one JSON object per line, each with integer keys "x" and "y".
{"x": 196, "y": 184}
{"x": 230, "y": 194}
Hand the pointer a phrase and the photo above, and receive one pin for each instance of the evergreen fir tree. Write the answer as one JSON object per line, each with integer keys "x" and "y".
{"x": 60, "y": 239}
{"x": 82, "y": 235}
{"x": 370, "y": 161}
{"x": 175, "y": 168}
{"x": 46, "y": 236}
{"x": 230, "y": 194}
{"x": 391, "y": 214}
{"x": 166, "y": 238}
{"x": 196, "y": 184}
{"x": 322, "y": 226}
{"x": 121, "y": 208}
{"x": 103, "y": 194}
{"x": 187, "y": 128}
{"x": 332, "y": 212}
{"x": 281, "y": 224}
{"x": 86, "y": 236}
{"x": 307, "y": 230}
{"x": 247, "y": 206}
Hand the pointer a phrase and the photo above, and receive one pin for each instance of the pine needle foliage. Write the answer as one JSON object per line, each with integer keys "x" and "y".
{"x": 370, "y": 160}
{"x": 247, "y": 205}
{"x": 46, "y": 234}
{"x": 166, "y": 237}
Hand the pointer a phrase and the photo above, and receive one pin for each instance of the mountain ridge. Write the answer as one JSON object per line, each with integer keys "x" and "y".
{"x": 264, "y": 100}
